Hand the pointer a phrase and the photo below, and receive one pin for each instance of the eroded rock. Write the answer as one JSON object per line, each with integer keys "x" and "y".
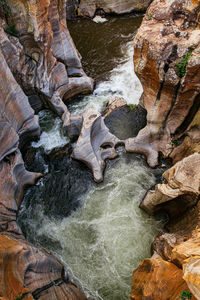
{"x": 167, "y": 39}
{"x": 88, "y": 7}
{"x": 33, "y": 273}
{"x": 157, "y": 279}
{"x": 95, "y": 144}
{"x": 182, "y": 179}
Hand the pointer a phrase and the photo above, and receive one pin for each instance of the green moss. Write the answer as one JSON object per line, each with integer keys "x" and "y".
{"x": 181, "y": 67}
{"x": 176, "y": 143}
{"x": 132, "y": 106}
{"x": 185, "y": 295}
{"x": 149, "y": 16}
{"x": 19, "y": 297}
{"x": 11, "y": 29}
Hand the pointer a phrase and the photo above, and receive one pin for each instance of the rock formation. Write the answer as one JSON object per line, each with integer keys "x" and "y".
{"x": 88, "y": 8}
{"x": 167, "y": 61}
{"x": 39, "y": 65}
{"x": 166, "y": 58}
{"x": 95, "y": 144}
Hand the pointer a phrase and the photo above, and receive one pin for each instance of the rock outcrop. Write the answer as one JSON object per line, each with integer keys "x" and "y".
{"x": 39, "y": 65}
{"x": 159, "y": 279}
{"x": 167, "y": 61}
{"x": 88, "y": 8}
{"x": 166, "y": 58}
{"x": 95, "y": 144}
{"x": 182, "y": 181}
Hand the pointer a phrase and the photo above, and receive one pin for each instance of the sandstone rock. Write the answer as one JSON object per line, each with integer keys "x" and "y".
{"x": 157, "y": 279}
{"x": 88, "y": 7}
{"x": 166, "y": 36}
{"x": 32, "y": 272}
{"x": 182, "y": 179}
{"x": 191, "y": 270}
{"x": 95, "y": 144}
{"x": 46, "y": 61}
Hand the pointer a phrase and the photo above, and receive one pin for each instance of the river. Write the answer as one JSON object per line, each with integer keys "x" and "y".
{"x": 96, "y": 230}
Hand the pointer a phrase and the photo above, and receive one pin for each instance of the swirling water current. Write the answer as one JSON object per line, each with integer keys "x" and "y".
{"x": 106, "y": 237}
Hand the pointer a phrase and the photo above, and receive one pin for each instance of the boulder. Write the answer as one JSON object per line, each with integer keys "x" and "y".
{"x": 183, "y": 181}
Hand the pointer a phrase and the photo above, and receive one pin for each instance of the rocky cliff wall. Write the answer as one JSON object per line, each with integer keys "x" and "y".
{"x": 167, "y": 61}
{"x": 88, "y": 8}
{"x": 39, "y": 65}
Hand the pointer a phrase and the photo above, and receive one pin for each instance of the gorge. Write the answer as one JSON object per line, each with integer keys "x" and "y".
{"x": 98, "y": 219}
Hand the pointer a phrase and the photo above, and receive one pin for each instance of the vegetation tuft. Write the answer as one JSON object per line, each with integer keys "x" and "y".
{"x": 181, "y": 67}
{"x": 132, "y": 106}
{"x": 185, "y": 295}
{"x": 149, "y": 16}
{"x": 19, "y": 297}
{"x": 11, "y": 30}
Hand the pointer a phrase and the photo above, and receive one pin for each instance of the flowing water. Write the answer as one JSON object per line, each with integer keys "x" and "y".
{"x": 97, "y": 230}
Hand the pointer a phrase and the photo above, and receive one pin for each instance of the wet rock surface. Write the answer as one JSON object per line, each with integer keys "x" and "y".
{"x": 133, "y": 120}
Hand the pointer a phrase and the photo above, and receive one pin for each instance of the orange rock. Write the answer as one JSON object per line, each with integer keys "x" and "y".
{"x": 167, "y": 34}
{"x": 157, "y": 279}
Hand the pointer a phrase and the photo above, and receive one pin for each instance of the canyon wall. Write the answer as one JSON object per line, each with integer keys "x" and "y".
{"x": 167, "y": 61}
{"x": 88, "y": 8}
{"x": 39, "y": 67}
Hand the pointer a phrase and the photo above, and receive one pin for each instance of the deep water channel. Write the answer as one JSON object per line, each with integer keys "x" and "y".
{"x": 96, "y": 230}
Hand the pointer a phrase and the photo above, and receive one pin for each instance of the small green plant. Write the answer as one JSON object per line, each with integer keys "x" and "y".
{"x": 132, "y": 106}
{"x": 176, "y": 143}
{"x": 185, "y": 295}
{"x": 149, "y": 16}
{"x": 11, "y": 29}
{"x": 59, "y": 6}
{"x": 181, "y": 67}
{"x": 19, "y": 297}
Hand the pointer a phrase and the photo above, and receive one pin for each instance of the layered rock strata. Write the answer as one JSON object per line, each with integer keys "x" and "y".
{"x": 38, "y": 64}
{"x": 88, "y": 8}
{"x": 167, "y": 61}
{"x": 166, "y": 58}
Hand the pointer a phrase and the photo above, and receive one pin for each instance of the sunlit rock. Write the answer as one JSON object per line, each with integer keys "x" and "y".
{"x": 166, "y": 59}
{"x": 157, "y": 279}
{"x": 182, "y": 179}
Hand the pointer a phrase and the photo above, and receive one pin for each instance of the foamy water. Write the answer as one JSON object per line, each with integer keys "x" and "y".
{"x": 105, "y": 239}
{"x": 122, "y": 83}
{"x": 52, "y": 134}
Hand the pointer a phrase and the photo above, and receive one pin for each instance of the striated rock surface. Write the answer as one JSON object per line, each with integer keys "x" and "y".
{"x": 157, "y": 279}
{"x": 89, "y": 7}
{"x": 39, "y": 65}
{"x": 167, "y": 61}
{"x": 47, "y": 65}
{"x": 166, "y": 58}
{"x": 31, "y": 272}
